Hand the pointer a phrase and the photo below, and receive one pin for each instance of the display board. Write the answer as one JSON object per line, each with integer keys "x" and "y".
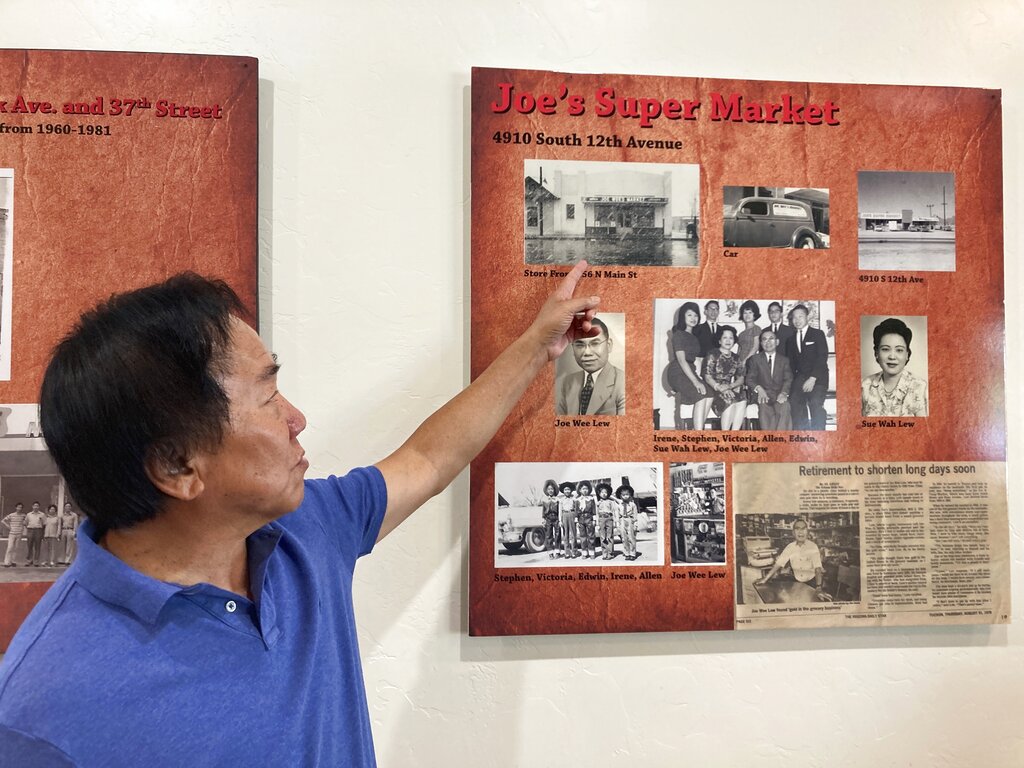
{"x": 792, "y": 413}
{"x": 116, "y": 170}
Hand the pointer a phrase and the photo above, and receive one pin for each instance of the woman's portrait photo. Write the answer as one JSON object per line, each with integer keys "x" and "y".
{"x": 894, "y": 366}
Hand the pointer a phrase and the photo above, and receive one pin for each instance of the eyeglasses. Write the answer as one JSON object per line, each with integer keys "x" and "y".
{"x": 588, "y": 344}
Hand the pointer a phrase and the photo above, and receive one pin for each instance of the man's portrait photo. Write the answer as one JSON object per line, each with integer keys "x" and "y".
{"x": 590, "y": 376}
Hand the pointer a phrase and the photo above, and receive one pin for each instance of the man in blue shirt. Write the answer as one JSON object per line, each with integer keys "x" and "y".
{"x": 207, "y": 619}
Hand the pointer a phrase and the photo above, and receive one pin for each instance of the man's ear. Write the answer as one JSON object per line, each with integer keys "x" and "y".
{"x": 174, "y": 471}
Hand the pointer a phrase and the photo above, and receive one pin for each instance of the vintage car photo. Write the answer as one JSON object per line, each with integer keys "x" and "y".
{"x": 775, "y": 217}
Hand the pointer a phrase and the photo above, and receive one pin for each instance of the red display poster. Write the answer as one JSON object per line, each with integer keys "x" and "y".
{"x": 772, "y": 426}
{"x": 116, "y": 170}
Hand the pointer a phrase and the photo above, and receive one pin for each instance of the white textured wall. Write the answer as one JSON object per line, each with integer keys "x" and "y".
{"x": 364, "y": 234}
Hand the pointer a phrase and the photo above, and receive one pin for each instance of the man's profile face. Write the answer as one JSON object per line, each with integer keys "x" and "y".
{"x": 592, "y": 354}
{"x": 769, "y": 342}
{"x": 259, "y": 466}
{"x": 711, "y": 311}
{"x": 799, "y": 318}
{"x": 775, "y": 313}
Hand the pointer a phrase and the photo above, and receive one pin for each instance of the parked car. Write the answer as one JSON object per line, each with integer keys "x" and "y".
{"x": 770, "y": 222}
{"x": 520, "y": 527}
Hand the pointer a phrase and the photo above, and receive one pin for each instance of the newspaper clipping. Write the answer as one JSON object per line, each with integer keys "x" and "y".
{"x": 870, "y": 544}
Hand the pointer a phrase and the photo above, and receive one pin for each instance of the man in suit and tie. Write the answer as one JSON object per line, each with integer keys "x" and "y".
{"x": 782, "y": 331}
{"x": 769, "y": 377}
{"x": 597, "y": 390}
{"x": 706, "y": 331}
{"x": 807, "y": 351}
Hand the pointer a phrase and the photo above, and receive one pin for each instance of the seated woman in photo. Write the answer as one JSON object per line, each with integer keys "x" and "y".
{"x": 893, "y": 391}
{"x": 724, "y": 375}
{"x": 683, "y": 380}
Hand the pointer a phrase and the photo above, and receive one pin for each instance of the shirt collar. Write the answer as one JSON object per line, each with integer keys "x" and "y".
{"x": 904, "y": 384}
{"x": 114, "y": 581}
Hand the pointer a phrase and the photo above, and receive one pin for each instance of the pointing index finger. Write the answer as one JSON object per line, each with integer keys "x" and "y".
{"x": 568, "y": 285}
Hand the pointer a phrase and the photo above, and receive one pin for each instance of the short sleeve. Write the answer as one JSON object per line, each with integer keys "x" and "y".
{"x": 350, "y": 509}
{"x": 816, "y": 558}
{"x": 786, "y": 556}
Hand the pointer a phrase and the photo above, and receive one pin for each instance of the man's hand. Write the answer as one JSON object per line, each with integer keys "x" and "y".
{"x": 564, "y": 317}
{"x": 447, "y": 441}
{"x": 809, "y": 384}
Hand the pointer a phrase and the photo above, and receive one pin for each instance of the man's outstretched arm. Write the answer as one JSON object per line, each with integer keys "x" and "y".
{"x": 447, "y": 441}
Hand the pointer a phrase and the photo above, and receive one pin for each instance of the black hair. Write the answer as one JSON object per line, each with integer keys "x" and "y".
{"x": 551, "y": 484}
{"x": 751, "y": 305}
{"x": 624, "y": 487}
{"x": 53, "y": 507}
{"x": 600, "y": 324}
{"x": 605, "y": 486}
{"x": 567, "y": 484}
{"x": 138, "y": 377}
{"x": 690, "y": 306}
{"x": 892, "y": 325}
{"x": 721, "y": 330}
{"x": 585, "y": 484}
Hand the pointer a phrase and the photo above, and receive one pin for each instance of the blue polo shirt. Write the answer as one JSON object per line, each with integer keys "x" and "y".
{"x": 113, "y": 668}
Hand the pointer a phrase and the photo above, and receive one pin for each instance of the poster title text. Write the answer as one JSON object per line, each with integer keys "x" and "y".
{"x": 607, "y": 102}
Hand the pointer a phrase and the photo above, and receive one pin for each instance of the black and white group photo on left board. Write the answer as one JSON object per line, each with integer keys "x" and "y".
{"x": 754, "y": 364}
{"x": 568, "y": 515}
{"x": 775, "y": 217}
{"x": 590, "y": 375}
{"x": 624, "y": 214}
{"x": 6, "y": 266}
{"x": 38, "y": 518}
